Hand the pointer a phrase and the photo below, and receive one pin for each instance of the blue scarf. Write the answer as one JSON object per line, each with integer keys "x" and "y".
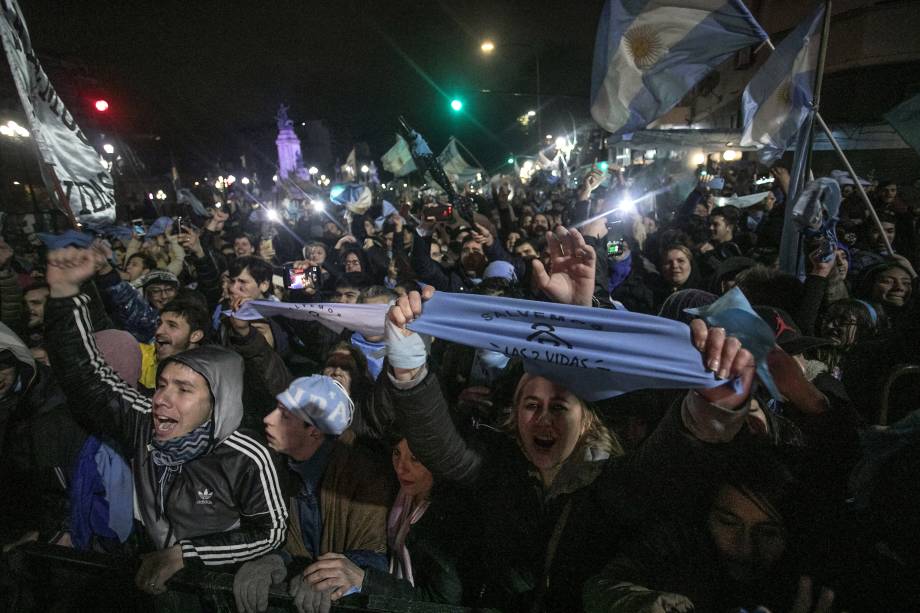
{"x": 596, "y": 353}
{"x": 619, "y": 271}
{"x": 168, "y": 456}
{"x": 374, "y": 352}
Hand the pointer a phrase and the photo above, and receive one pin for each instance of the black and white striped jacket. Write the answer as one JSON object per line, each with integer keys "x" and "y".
{"x": 224, "y": 507}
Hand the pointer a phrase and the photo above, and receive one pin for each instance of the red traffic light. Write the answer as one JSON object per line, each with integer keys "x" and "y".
{"x": 101, "y": 105}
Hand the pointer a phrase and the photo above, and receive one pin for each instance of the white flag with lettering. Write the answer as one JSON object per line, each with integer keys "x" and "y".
{"x": 66, "y": 152}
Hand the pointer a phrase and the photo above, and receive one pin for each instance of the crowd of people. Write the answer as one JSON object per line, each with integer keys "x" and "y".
{"x": 143, "y": 416}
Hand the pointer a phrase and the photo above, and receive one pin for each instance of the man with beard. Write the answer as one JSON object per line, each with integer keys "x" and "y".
{"x": 35, "y": 298}
{"x": 139, "y": 313}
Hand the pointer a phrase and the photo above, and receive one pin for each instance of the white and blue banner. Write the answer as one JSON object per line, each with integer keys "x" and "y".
{"x": 778, "y": 99}
{"x": 597, "y": 353}
{"x": 70, "y": 165}
{"x": 368, "y": 319}
{"x": 649, "y": 53}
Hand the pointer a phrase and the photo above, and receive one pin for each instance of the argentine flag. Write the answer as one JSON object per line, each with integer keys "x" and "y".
{"x": 398, "y": 159}
{"x": 778, "y": 99}
{"x": 649, "y": 53}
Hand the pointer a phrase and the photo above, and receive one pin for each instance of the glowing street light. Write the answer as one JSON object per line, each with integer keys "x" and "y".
{"x": 531, "y": 113}
{"x": 245, "y": 181}
{"x": 108, "y": 148}
{"x": 365, "y": 168}
{"x": 456, "y": 105}
{"x": 313, "y": 170}
{"x": 275, "y": 178}
{"x": 161, "y": 195}
{"x": 231, "y": 180}
{"x": 487, "y": 46}
{"x": 13, "y": 130}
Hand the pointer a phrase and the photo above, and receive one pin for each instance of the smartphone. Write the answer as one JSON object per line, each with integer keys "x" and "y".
{"x": 300, "y": 278}
{"x": 616, "y": 248}
{"x": 294, "y": 278}
{"x": 177, "y": 225}
{"x": 440, "y": 212}
{"x": 139, "y": 228}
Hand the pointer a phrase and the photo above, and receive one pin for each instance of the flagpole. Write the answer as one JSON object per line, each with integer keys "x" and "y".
{"x": 859, "y": 187}
{"x": 481, "y": 165}
{"x": 819, "y": 81}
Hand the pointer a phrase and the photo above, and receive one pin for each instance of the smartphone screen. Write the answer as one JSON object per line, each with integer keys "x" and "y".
{"x": 294, "y": 278}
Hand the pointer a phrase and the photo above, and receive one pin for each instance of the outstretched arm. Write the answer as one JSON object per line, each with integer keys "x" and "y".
{"x": 96, "y": 396}
{"x": 422, "y": 412}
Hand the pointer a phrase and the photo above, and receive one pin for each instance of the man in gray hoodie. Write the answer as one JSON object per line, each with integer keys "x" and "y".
{"x": 206, "y": 492}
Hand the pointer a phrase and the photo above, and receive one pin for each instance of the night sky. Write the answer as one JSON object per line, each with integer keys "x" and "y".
{"x": 208, "y": 76}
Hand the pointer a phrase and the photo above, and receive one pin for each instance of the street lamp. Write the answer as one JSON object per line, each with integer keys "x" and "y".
{"x": 488, "y": 47}
{"x": 313, "y": 170}
{"x": 108, "y": 148}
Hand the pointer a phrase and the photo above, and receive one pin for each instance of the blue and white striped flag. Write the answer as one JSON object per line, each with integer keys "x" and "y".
{"x": 649, "y": 53}
{"x": 778, "y": 99}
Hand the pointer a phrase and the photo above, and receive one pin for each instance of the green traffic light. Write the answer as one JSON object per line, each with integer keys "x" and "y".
{"x": 456, "y": 105}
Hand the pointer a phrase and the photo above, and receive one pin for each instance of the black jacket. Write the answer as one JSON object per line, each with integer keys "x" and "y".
{"x": 518, "y": 517}
{"x": 39, "y": 443}
{"x": 223, "y": 507}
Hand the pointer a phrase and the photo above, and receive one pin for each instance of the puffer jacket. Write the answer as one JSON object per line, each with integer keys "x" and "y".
{"x": 223, "y": 507}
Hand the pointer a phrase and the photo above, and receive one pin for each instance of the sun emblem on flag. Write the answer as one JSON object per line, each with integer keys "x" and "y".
{"x": 644, "y": 46}
{"x": 785, "y": 92}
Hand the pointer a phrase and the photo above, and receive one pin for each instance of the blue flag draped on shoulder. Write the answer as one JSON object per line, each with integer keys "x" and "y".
{"x": 778, "y": 99}
{"x": 649, "y": 53}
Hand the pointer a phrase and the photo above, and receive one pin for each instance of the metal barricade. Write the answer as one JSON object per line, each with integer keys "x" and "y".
{"x": 200, "y": 581}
